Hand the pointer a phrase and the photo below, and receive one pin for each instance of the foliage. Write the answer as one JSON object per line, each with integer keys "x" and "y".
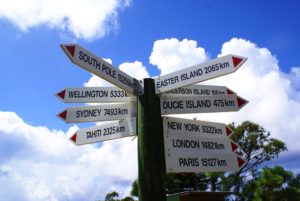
{"x": 256, "y": 147}
{"x": 112, "y": 196}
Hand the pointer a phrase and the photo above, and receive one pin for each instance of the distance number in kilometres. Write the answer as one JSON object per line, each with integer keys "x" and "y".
{"x": 213, "y": 162}
{"x": 115, "y": 112}
{"x": 106, "y": 131}
{"x": 211, "y": 129}
{"x": 223, "y": 103}
{"x": 118, "y": 93}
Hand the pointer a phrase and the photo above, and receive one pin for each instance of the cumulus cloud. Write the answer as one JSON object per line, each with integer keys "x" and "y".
{"x": 86, "y": 19}
{"x": 171, "y": 54}
{"x": 259, "y": 80}
{"x": 41, "y": 164}
{"x": 135, "y": 69}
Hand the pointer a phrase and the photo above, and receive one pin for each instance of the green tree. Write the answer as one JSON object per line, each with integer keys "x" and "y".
{"x": 175, "y": 183}
{"x": 272, "y": 184}
{"x": 134, "y": 189}
{"x": 127, "y": 199}
{"x": 112, "y": 196}
{"x": 256, "y": 147}
{"x": 185, "y": 182}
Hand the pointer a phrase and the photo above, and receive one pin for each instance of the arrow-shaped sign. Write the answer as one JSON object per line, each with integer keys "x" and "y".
{"x": 195, "y": 127}
{"x": 206, "y": 162}
{"x": 184, "y": 142}
{"x": 95, "y": 95}
{"x": 107, "y": 131}
{"x": 100, "y": 67}
{"x": 106, "y": 112}
{"x": 198, "y": 73}
{"x": 201, "y": 104}
{"x": 199, "y": 90}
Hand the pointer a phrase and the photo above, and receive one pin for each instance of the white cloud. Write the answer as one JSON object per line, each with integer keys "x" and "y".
{"x": 274, "y": 99}
{"x": 135, "y": 69}
{"x": 171, "y": 54}
{"x": 42, "y": 164}
{"x": 86, "y": 19}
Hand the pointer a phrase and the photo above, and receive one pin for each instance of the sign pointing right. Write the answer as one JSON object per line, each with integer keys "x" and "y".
{"x": 201, "y": 104}
{"x": 198, "y": 73}
{"x": 206, "y": 162}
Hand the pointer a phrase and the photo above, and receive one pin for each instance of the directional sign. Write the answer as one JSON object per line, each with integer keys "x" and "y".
{"x": 206, "y": 162}
{"x": 176, "y": 142}
{"x": 106, "y": 112}
{"x": 100, "y": 67}
{"x": 95, "y": 95}
{"x": 201, "y": 104}
{"x": 198, "y": 73}
{"x": 199, "y": 90}
{"x": 107, "y": 131}
{"x": 197, "y": 128}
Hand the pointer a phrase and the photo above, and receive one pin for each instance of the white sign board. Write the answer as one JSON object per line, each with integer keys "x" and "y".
{"x": 197, "y": 128}
{"x": 206, "y": 162}
{"x": 185, "y": 142}
{"x": 199, "y": 90}
{"x": 106, "y": 131}
{"x": 100, "y": 67}
{"x": 95, "y": 113}
{"x": 198, "y": 73}
{"x": 95, "y": 95}
{"x": 201, "y": 104}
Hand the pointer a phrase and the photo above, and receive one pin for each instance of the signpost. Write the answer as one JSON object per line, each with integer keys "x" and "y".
{"x": 198, "y": 90}
{"x": 100, "y": 67}
{"x": 107, "y": 131}
{"x": 96, "y": 113}
{"x": 165, "y": 144}
{"x": 201, "y": 104}
{"x": 95, "y": 95}
{"x": 204, "y": 162}
{"x": 198, "y": 73}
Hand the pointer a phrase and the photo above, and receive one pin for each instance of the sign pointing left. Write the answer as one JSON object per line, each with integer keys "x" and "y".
{"x": 107, "y": 131}
{"x": 95, "y": 95}
{"x": 100, "y": 67}
{"x": 108, "y": 112}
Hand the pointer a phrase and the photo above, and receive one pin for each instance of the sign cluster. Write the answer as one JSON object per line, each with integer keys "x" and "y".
{"x": 190, "y": 145}
{"x": 118, "y": 104}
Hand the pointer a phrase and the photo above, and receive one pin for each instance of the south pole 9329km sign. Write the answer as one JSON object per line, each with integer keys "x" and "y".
{"x": 100, "y": 67}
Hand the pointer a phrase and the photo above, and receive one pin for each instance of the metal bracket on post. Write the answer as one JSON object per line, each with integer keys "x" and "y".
{"x": 139, "y": 87}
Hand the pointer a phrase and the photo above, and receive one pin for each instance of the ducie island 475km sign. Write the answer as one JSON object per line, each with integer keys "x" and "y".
{"x": 129, "y": 109}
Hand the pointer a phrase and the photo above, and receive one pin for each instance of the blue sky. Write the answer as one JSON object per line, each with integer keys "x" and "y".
{"x": 144, "y": 38}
